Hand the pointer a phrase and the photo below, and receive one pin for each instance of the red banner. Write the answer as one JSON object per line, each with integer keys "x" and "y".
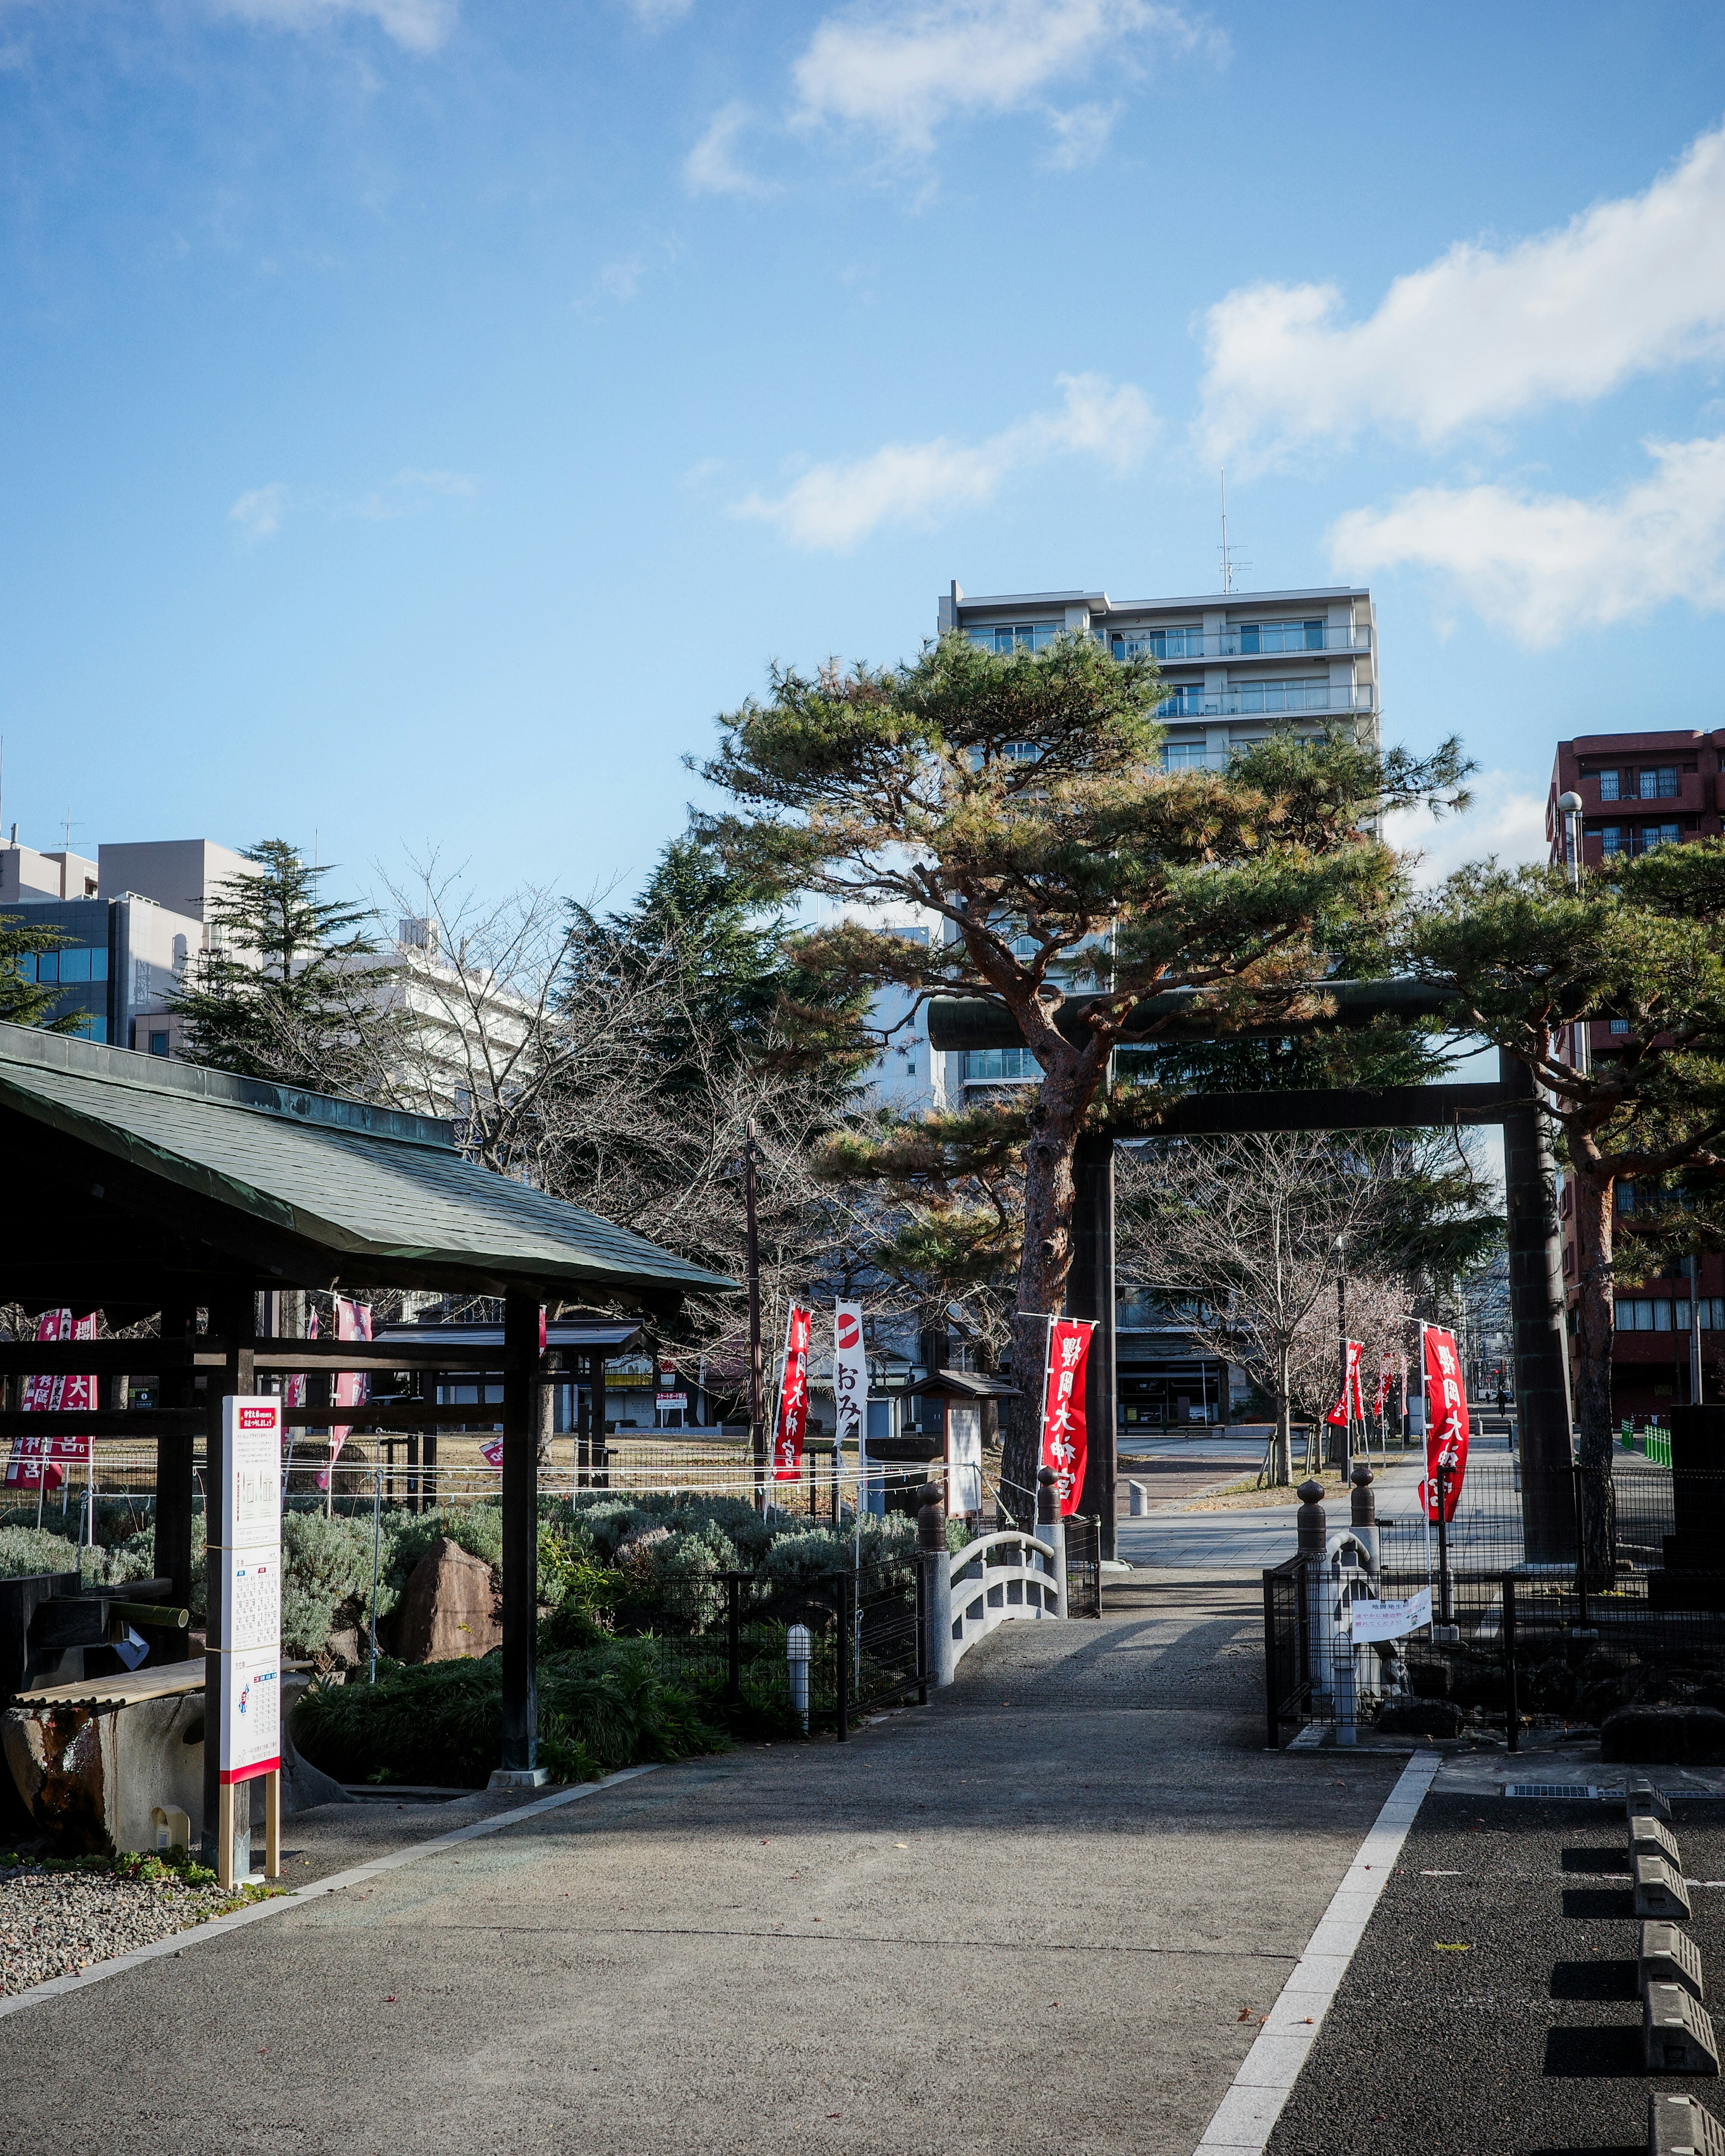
{"x": 793, "y": 1419}
{"x": 1350, "y": 1406}
{"x": 1446, "y": 1420}
{"x": 43, "y": 1460}
{"x": 1386, "y": 1384}
{"x": 351, "y": 1388}
{"x": 1064, "y": 1427}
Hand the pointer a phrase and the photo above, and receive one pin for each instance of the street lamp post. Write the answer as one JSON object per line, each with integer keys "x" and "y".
{"x": 1569, "y": 808}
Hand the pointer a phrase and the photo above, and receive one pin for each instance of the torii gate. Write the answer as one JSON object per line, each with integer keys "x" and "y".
{"x": 1536, "y": 1274}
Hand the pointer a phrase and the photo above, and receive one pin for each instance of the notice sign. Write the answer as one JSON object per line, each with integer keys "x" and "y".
{"x": 1391, "y": 1620}
{"x": 251, "y": 1481}
{"x": 252, "y": 1605}
{"x": 251, "y": 1714}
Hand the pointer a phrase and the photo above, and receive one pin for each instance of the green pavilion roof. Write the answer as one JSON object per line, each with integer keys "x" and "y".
{"x": 115, "y": 1154}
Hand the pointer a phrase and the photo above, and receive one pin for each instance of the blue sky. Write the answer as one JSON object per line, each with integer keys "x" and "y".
{"x": 421, "y": 416}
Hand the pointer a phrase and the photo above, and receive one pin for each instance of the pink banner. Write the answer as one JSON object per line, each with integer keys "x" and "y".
{"x": 351, "y": 1388}
{"x": 43, "y": 1460}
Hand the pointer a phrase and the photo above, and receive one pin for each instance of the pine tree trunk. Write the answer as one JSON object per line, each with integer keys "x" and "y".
{"x": 1595, "y": 1327}
{"x": 1043, "y": 1273}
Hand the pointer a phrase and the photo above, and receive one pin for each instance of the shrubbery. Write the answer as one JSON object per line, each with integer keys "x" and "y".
{"x": 600, "y": 1708}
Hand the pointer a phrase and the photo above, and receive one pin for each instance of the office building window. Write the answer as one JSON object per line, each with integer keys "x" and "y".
{"x": 158, "y": 1043}
{"x": 1608, "y": 786}
{"x": 1659, "y": 785}
{"x": 1016, "y": 636}
{"x": 1159, "y": 643}
{"x": 1284, "y": 695}
{"x": 1659, "y": 834}
{"x": 1620, "y": 1026}
{"x": 1183, "y": 756}
{"x": 993, "y": 1066}
{"x": 1282, "y": 636}
{"x": 1183, "y": 698}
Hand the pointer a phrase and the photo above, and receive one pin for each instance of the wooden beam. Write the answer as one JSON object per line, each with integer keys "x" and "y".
{"x": 107, "y": 1422}
{"x": 152, "y": 1357}
{"x": 1377, "y": 1108}
{"x": 405, "y": 1415}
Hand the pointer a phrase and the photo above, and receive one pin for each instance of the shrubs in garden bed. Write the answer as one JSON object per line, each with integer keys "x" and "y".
{"x": 599, "y": 1708}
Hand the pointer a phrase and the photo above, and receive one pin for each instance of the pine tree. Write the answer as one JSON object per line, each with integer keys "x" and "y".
{"x": 23, "y": 999}
{"x": 1641, "y": 943}
{"x": 1020, "y": 799}
{"x": 284, "y": 992}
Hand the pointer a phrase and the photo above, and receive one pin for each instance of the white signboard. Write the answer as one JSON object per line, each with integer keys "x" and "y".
{"x": 252, "y": 1603}
{"x": 251, "y": 1713}
{"x": 964, "y": 1458}
{"x": 1391, "y": 1620}
{"x": 670, "y": 1399}
{"x": 251, "y": 1485}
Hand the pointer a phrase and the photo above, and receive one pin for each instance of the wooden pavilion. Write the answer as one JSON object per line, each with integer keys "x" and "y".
{"x": 156, "y": 1189}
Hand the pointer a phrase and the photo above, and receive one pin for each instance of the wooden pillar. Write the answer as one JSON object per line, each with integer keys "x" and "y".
{"x": 233, "y": 1322}
{"x": 1537, "y": 1320}
{"x": 521, "y": 1542}
{"x": 174, "y": 1484}
{"x": 1089, "y": 1293}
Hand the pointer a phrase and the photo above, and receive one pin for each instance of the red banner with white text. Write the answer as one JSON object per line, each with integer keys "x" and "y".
{"x": 1447, "y": 1428}
{"x": 1350, "y": 1406}
{"x": 1065, "y": 1431}
{"x": 43, "y": 1459}
{"x": 793, "y": 1419}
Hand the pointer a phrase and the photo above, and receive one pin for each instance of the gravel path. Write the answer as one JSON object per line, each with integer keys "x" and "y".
{"x": 54, "y": 1923}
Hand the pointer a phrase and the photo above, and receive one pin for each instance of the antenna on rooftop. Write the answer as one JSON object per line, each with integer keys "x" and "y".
{"x": 1230, "y": 560}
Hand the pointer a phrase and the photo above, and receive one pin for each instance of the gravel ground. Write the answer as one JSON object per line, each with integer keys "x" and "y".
{"x": 1490, "y": 2009}
{"x": 54, "y": 1923}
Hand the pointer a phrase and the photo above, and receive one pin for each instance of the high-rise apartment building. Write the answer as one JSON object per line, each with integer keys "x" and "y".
{"x": 1639, "y": 791}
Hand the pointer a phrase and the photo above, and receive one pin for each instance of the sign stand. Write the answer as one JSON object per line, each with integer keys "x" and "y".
{"x": 243, "y": 1666}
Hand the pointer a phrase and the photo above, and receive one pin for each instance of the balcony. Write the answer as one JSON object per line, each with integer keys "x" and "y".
{"x": 1267, "y": 640}
{"x": 1190, "y": 700}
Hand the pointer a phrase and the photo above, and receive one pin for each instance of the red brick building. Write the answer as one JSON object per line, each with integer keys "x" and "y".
{"x": 1639, "y": 791}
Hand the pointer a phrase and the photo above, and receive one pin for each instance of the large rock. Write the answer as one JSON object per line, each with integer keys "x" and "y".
{"x": 451, "y": 1607}
{"x": 1683, "y": 1736}
{"x": 1420, "y": 1717}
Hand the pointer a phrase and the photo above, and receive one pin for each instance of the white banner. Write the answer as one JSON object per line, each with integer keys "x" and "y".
{"x": 1391, "y": 1620}
{"x": 851, "y": 1378}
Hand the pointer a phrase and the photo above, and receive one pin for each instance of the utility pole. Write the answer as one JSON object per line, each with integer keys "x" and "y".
{"x": 757, "y": 1404}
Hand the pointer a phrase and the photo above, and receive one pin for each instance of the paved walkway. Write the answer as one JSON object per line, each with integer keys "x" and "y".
{"x": 1044, "y": 1913}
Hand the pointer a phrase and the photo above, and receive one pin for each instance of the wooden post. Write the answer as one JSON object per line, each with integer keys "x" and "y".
{"x": 1537, "y": 1319}
{"x": 174, "y": 1485}
{"x": 1089, "y": 1293}
{"x": 272, "y": 1825}
{"x": 235, "y": 1314}
{"x": 521, "y": 1544}
{"x": 225, "y": 1869}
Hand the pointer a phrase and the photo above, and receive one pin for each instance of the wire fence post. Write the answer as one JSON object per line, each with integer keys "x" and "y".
{"x": 1512, "y": 1698}
{"x": 1580, "y": 1548}
{"x": 377, "y": 1551}
{"x": 733, "y": 1638}
{"x": 844, "y": 1704}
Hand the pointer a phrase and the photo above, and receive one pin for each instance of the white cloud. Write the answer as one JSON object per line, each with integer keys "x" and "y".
{"x": 837, "y": 505}
{"x": 410, "y": 493}
{"x": 900, "y": 70}
{"x": 258, "y": 514}
{"x": 710, "y": 167}
{"x": 1507, "y": 819}
{"x": 1544, "y": 565}
{"x": 1081, "y": 135}
{"x": 655, "y": 14}
{"x": 1481, "y": 334}
{"x": 421, "y": 26}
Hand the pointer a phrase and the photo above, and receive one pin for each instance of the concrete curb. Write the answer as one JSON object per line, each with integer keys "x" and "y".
{"x": 194, "y": 1934}
{"x": 1247, "y": 2115}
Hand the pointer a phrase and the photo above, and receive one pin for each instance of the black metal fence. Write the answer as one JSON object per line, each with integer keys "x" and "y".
{"x": 1624, "y": 1605}
{"x": 1084, "y": 1566}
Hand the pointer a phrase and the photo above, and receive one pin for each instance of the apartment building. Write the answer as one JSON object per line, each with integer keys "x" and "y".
{"x": 1640, "y": 791}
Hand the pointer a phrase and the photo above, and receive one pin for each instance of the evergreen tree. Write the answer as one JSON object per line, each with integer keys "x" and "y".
{"x": 23, "y": 999}
{"x": 1641, "y": 943}
{"x": 285, "y": 991}
{"x": 1020, "y": 797}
